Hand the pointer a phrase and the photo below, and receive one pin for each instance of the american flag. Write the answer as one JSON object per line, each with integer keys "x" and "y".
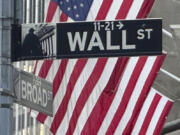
{"x": 103, "y": 95}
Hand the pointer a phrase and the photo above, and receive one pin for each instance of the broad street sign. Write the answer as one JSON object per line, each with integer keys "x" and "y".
{"x": 33, "y": 92}
{"x": 109, "y": 38}
{"x": 88, "y": 39}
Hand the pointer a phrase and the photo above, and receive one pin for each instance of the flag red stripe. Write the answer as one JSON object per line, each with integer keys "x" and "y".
{"x": 59, "y": 76}
{"x": 45, "y": 68}
{"x": 128, "y": 92}
{"x": 51, "y": 11}
{"x": 105, "y": 99}
{"x": 104, "y": 9}
{"x": 145, "y": 8}
{"x": 149, "y": 114}
{"x": 162, "y": 118}
{"x": 124, "y": 9}
{"x": 63, "y": 107}
{"x": 86, "y": 91}
{"x": 41, "y": 117}
{"x": 63, "y": 17}
{"x": 156, "y": 66}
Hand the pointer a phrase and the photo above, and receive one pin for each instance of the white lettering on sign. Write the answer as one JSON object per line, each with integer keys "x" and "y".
{"x": 107, "y": 26}
{"x": 124, "y": 43}
{"x": 96, "y": 41}
{"x": 144, "y": 33}
{"x": 34, "y": 93}
{"x": 36, "y": 80}
{"x": 77, "y": 40}
{"x": 109, "y": 45}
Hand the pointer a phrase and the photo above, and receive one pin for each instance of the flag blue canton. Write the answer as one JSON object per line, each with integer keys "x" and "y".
{"x": 56, "y": 1}
{"x": 76, "y": 9}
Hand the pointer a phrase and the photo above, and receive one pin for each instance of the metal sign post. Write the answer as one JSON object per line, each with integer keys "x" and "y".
{"x": 6, "y": 83}
{"x": 33, "y": 92}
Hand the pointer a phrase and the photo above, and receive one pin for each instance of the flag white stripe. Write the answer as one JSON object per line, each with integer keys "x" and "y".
{"x": 96, "y": 92}
{"x": 70, "y": 20}
{"x": 117, "y": 99}
{"x": 143, "y": 113}
{"x": 34, "y": 113}
{"x": 135, "y": 95}
{"x": 84, "y": 76}
{"x": 38, "y": 67}
{"x": 55, "y": 18}
{"x": 113, "y": 11}
{"x": 45, "y": 7}
{"x": 53, "y": 70}
{"x": 48, "y": 121}
{"x": 134, "y": 10}
{"x": 156, "y": 115}
{"x": 94, "y": 10}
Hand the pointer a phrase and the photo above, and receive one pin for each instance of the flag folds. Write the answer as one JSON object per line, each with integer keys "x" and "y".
{"x": 103, "y": 95}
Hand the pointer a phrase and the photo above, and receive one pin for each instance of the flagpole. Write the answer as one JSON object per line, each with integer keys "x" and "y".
{"x": 171, "y": 126}
{"x": 167, "y": 33}
{"x": 170, "y": 75}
